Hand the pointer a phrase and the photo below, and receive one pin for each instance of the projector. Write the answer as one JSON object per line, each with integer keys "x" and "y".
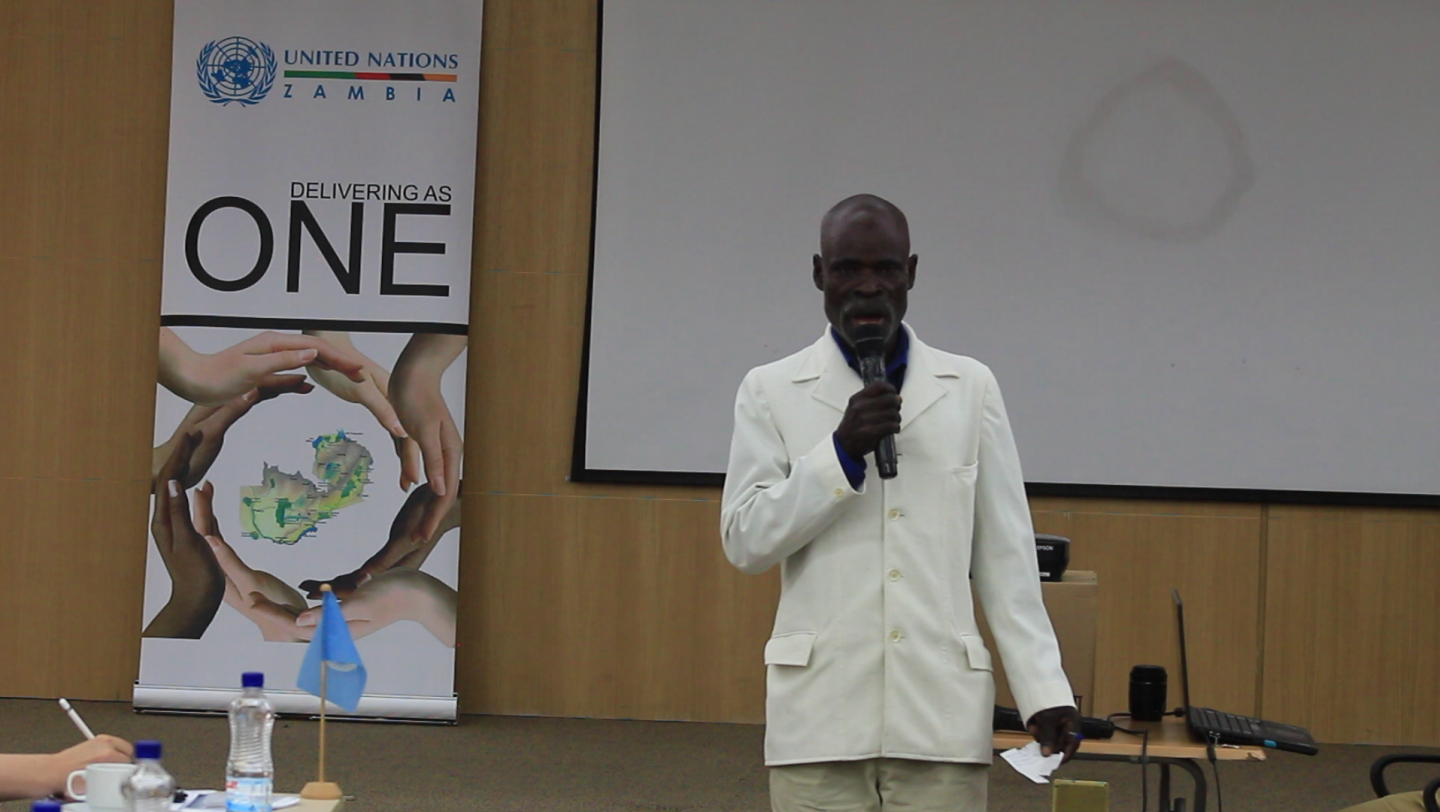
{"x": 1054, "y": 555}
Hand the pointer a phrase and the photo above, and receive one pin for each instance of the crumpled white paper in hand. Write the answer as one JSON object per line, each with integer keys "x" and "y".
{"x": 1028, "y": 762}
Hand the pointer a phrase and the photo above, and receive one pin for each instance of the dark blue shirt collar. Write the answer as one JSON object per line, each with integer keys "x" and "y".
{"x": 895, "y": 370}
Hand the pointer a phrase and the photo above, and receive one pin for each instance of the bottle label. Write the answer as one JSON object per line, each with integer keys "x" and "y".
{"x": 247, "y": 794}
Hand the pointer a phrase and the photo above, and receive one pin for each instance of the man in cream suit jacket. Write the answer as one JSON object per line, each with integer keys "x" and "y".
{"x": 879, "y": 687}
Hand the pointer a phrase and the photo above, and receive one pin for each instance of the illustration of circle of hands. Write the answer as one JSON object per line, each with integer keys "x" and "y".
{"x": 388, "y": 587}
{"x": 407, "y": 403}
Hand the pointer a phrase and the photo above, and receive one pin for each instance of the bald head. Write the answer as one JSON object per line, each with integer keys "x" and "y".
{"x": 863, "y": 212}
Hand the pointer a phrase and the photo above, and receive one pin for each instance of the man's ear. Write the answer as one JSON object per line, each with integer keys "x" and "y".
{"x": 818, "y": 273}
{"x": 910, "y": 270}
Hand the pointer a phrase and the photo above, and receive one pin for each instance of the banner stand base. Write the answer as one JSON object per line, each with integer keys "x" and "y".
{"x": 373, "y": 707}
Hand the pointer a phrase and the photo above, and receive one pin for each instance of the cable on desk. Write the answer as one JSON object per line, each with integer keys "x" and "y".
{"x": 1144, "y": 757}
{"x": 1211, "y": 741}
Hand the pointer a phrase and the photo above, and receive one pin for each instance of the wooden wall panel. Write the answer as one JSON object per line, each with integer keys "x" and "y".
{"x": 86, "y": 349}
{"x": 1139, "y": 550}
{"x": 116, "y": 96}
{"x": 577, "y": 599}
{"x": 1352, "y": 624}
{"x": 30, "y": 123}
{"x": 524, "y": 338}
{"x": 560, "y": 25}
{"x": 131, "y": 19}
{"x": 82, "y": 149}
{"x": 70, "y": 600}
{"x": 596, "y": 606}
{"x": 84, "y": 126}
{"x": 29, "y": 20}
{"x": 537, "y": 124}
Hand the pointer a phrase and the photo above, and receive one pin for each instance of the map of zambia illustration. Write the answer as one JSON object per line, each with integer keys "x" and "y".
{"x": 285, "y": 508}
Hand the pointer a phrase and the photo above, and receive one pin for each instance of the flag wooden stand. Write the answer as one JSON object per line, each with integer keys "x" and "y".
{"x": 322, "y": 790}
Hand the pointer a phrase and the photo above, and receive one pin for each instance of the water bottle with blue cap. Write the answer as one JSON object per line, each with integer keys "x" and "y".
{"x": 250, "y": 770}
{"x": 149, "y": 788}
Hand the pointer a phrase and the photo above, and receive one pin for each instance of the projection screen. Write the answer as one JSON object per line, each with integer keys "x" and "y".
{"x": 1197, "y": 242}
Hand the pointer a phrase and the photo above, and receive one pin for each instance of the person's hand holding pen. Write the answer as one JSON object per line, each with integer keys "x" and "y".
{"x": 102, "y": 748}
{"x": 41, "y": 774}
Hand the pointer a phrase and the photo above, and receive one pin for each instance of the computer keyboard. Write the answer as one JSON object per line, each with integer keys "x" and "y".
{"x": 1228, "y": 722}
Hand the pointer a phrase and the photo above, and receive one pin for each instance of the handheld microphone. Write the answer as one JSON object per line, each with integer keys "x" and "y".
{"x": 870, "y": 349}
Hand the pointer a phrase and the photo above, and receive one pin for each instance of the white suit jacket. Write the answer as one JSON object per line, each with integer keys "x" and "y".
{"x": 875, "y": 651}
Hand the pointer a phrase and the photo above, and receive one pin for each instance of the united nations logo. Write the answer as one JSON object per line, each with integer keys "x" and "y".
{"x": 236, "y": 69}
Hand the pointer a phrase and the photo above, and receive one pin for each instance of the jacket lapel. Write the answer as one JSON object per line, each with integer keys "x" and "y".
{"x": 832, "y": 380}
{"x": 922, "y": 387}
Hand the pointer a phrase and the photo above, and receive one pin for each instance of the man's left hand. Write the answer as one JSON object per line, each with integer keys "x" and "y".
{"x": 1057, "y": 730}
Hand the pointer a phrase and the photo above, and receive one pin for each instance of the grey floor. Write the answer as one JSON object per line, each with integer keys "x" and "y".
{"x": 560, "y": 765}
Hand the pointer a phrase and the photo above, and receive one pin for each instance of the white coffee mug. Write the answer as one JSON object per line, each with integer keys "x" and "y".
{"x": 102, "y": 785}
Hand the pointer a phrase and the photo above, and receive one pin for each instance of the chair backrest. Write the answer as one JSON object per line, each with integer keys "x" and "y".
{"x": 1377, "y": 776}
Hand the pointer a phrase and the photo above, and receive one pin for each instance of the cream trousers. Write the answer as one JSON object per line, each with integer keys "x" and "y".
{"x": 872, "y": 785}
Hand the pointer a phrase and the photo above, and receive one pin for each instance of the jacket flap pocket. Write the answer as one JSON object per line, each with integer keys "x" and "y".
{"x": 790, "y": 649}
{"x": 978, "y": 655}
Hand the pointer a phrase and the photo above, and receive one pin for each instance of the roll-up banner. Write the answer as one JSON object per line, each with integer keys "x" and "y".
{"x": 315, "y": 304}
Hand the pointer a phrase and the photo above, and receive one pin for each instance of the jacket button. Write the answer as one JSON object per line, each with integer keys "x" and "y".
{"x": 894, "y": 575}
{"x": 839, "y": 493}
{"x": 894, "y": 514}
{"x": 896, "y": 636}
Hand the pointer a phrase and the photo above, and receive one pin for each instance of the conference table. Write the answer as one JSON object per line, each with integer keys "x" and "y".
{"x": 1171, "y": 744}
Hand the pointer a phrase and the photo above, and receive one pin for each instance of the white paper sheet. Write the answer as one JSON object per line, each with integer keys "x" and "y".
{"x": 1028, "y": 762}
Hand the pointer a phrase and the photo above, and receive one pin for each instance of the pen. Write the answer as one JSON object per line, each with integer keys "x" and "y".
{"x": 75, "y": 717}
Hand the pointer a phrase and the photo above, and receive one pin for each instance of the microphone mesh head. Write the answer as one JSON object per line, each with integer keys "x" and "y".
{"x": 869, "y": 339}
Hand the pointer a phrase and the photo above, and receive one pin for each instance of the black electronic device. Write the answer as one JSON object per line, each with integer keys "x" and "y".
{"x": 1090, "y": 727}
{"x": 1229, "y": 728}
{"x": 1053, "y": 553}
{"x": 1147, "y": 693}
